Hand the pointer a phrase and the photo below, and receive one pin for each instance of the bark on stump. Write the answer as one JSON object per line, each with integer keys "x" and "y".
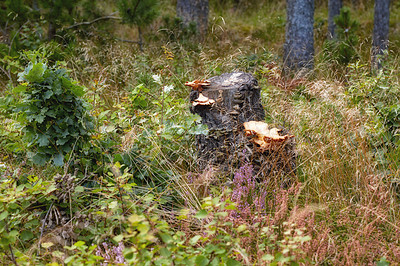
{"x": 237, "y": 100}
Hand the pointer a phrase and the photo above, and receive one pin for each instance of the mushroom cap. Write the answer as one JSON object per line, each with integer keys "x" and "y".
{"x": 265, "y": 138}
{"x": 203, "y": 100}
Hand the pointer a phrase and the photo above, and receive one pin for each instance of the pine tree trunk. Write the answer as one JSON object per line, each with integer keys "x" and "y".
{"x": 226, "y": 146}
{"x": 334, "y": 7}
{"x": 195, "y": 11}
{"x": 380, "y": 41}
{"x": 51, "y": 31}
{"x": 298, "y": 50}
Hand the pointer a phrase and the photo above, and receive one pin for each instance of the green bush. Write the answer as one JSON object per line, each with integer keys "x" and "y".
{"x": 52, "y": 113}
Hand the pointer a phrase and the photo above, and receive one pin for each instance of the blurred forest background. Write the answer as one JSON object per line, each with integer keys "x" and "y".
{"x": 97, "y": 155}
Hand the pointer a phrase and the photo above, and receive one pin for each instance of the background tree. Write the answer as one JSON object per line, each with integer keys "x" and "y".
{"x": 57, "y": 12}
{"x": 298, "y": 50}
{"x": 380, "y": 40}
{"x": 194, "y": 11}
{"x": 334, "y": 7}
{"x": 139, "y": 13}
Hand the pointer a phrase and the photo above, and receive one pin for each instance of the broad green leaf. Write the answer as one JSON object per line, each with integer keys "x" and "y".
{"x": 20, "y": 88}
{"x": 43, "y": 140}
{"x": 58, "y": 159}
{"x": 268, "y": 257}
{"x": 193, "y": 241}
{"x": 201, "y": 214}
{"x": 48, "y": 94}
{"x": 165, "y": 252}
{"x": 201, "y": 260}
{"x": 118, "y": 238}
{"x": 33, "y": 73}
{"x": 79, "y": 244}
{"x": 167, "y": 239}
{"x": 232, "y": 262}
{"x": 79, "y": 189}
{"x": 39, "y": 159}
{"x": 3, "y": 215}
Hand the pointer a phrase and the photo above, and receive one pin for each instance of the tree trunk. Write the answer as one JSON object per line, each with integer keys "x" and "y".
{"x": 334, "y": 7}
{"x": 226, "y": 146}
{"x": 380, "y": 41}
{"x": 298, "y": 50}
{"x": 51, "y": 31}
{"x": 194, "y": 11}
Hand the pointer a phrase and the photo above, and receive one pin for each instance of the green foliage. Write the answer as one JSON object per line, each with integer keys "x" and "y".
{"x": 17, "y": 225}
{"x": 53, "y": 115}
{"x": 138, "y": 12}
{"x": 343, "y": 49}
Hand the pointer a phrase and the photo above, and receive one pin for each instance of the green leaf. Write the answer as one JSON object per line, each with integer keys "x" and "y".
{"x": 382, "y": 262}
{"x": 79, "y": 189}
{"x": 201, "y": 214}
{"x": 167, "y": 239}
{"x": 232, "y": 262}
{"x": 33, "y": 73}
{"x": 268, "y": 257}
{"x": 20, "y": 88}
{"x": 201, "y": 260}
{"x": 3, "y": 215}
{"x": 39, "y": 118}
{"x": 165, "y": 252}
{"x": 58, "y": 159}
{"x": 193, "y": 241}
{"x": 43, "y": 140}
{"x": 39, "y": 159}
{"x": 118, "y": 238}
{"x": 48, "y": 94}
{"x": 79, "y": 244}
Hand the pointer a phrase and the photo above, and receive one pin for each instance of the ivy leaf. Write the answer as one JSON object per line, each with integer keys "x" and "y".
{"x": 58, "y": 159}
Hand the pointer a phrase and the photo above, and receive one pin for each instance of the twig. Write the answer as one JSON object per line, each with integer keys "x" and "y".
{"x": 42, "y": 228}
{"x": 7, "y": 73}
{"x": 111, "y": 16}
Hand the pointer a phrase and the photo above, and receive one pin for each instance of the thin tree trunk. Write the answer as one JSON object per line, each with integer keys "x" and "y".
{"x": 194, "y": 11}
{"x": 380, "y": 41}
{"x": 334, "y": 7}
{"x": 51, "y": 31}
{"x": 298, "y": 50}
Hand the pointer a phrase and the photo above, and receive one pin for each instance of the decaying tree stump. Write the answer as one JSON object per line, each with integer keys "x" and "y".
{"x": 225, "y": 103}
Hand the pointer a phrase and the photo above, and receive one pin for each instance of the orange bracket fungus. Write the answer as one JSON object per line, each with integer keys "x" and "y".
{"x": 266, "y": 139}
{"x": 197, "y": 85}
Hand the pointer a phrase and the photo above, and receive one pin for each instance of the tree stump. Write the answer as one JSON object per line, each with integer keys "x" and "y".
{"x": 225, "y": 103}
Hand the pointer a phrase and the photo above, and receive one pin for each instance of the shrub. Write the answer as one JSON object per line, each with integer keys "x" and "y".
{"x": 51, "y": 111}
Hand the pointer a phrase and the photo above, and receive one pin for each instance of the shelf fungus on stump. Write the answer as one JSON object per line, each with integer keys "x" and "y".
{"x": 265, "y": 139}
{"x": 203, "y": 100}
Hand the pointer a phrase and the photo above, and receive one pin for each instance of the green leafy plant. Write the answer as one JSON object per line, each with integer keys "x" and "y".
{"x": 52, "y": 112}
